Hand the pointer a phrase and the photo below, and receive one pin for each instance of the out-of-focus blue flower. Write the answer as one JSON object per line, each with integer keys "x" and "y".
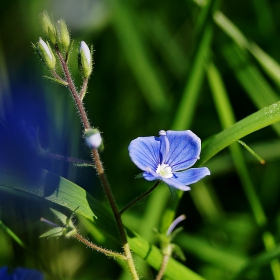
{"x": 20, "y": 274}
{"x": 168, "y": 157}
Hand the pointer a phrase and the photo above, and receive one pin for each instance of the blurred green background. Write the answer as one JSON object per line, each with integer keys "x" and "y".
{"x": 158, "y": 65}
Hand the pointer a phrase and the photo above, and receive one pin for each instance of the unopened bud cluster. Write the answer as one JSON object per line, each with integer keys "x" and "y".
{"x": 58, "y": 39}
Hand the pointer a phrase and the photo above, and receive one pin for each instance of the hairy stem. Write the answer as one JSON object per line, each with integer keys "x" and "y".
{"x": 57, "y": 76}
{"x": 84, "y": 89}
{"x": 102, "y": 176}
{"x": 68, "y": 159}
{"x": 99, "y": 249}
{"x": 163, "y": 267}
{"x": 137, "y": 199}
{"x": 72, "y": 88}
{"x": 99, "y": 167}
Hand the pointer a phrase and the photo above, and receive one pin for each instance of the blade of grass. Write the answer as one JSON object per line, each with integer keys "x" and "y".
{"x": 210, "y": 254}
{"x": 187, "y": 104}
{"x": 223, "y": 163}
{"x": 264, "y": 17}
{"x": 271, "y": 67}
{"x": 260, "y": 260}
{"x": 227, "y": 118}
{"x": 171, "y": 52}
{"x": 258, "y": 120}
{"x": 137, "y": 57}
{"x": 251, "y": 79}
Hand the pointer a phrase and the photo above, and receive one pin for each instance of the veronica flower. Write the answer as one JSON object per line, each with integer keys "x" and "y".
{"x": 168, "y": 157}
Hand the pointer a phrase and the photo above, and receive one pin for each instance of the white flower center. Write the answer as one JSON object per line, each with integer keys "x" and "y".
{"x": 164, "y": 170}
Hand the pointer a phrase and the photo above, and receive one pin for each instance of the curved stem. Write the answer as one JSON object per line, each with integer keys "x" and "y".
{"x": 163, "y": 267}
{"x": 102, "y": 176}
{"x": 137, "y": 199}
{"x": 68, "y": 159}
{"x": 84, "y": 89}
{"x": 99, "y": 249}
{"x": 99, "y": 167}
{"x": 57, "y": 76}
{"x": 72, "y": 88}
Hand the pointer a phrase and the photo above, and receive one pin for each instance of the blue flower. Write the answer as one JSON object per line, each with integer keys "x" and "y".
{"x": 20, "y": 274}
{"x": 168, "y": 157}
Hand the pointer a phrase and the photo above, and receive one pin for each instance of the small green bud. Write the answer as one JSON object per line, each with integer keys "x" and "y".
{"x": 93, "y": 138}
{"x": 85, "y": 59}
{"x": 63, "y": 33}
{"x": 46, "y": 54}
{"x": 48, "y": 27}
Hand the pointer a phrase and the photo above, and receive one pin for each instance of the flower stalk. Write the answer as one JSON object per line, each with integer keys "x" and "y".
{"x": 98, "y": 164}
{"x": 139, "y": 198}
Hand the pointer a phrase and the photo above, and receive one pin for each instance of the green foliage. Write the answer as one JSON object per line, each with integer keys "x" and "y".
{"x": 210, "y": 67}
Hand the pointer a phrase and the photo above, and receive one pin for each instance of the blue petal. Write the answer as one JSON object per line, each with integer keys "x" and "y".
{"x": 150, "y": 176}
{"x": 184, "y": 149}
{"x": 164, "y": 146}
{"x": 144, "y": 152}
{"x": 173, "y": 182}
{"x": 27, "y": 274}
{"x": 192, "y": 175}
{"x": 20, "y": 274}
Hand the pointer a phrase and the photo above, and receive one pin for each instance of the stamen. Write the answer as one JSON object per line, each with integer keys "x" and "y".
{"x": 164, "y": 170}
{"x": 175, "y": 223}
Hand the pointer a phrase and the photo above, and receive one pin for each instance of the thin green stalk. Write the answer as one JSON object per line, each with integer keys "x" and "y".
{"x": 84, "y": 89}
{"x": 137, "y": 199}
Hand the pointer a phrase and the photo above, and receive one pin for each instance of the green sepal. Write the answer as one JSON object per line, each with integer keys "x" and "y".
{"x": 57, "y": 80}
{"x": 54, "y": 232}
{"x": 175, "y": 232}
{"x": 85, "y": 60}
{"x": 177, "y": 252}
{"x": 67, "y": 56}
{"x": 46, "y": 53}
{"x": 63, "y": 35}
{"x": 63, "y": 218}
{"x": 48, "y": 27}
{"x": 139, "y": 176}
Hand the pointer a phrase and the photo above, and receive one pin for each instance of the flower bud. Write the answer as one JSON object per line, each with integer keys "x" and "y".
{"x": 85, "y": 59}
{"x": 46, "y": 54}
{"x": 64, "y": 36}
{"x": 48, "y": 27}
{"x": 93, "y": 138}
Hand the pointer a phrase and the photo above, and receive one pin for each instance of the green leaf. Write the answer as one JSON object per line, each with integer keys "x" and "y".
{"x": 62, "y": 192}
{"x": 262, "y": 118}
